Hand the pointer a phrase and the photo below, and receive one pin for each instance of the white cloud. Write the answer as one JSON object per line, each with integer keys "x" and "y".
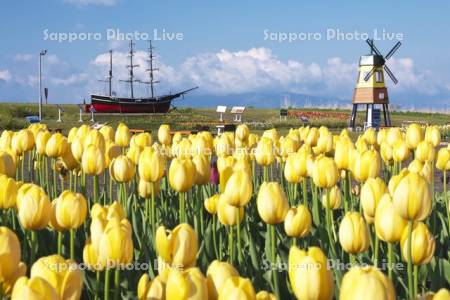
{"x": 92, "y": 2}
{"x": 24, "y": 57}
{"x": 70, "y": 80}
{"x": 5, "y": 75}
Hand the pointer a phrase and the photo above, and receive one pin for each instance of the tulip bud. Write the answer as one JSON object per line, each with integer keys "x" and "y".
{"x": 33, "y": 289}
{"x": 371, "y": 193}
{"x": 211, "y": 204}
{"x": 264, "y": 152}
{"x": 146, "y": 189}
{"x": 334, "y": 202}
{"x": 422, "y": 244}
{"x": 228, "y": 214}
{"x": 185, "y": 285}
{"x": 443, "y": 159}
{"x": 414, "y": 135}
{"x": 70, "y": 210}
{"x": 63, "y": 275}
{"x": 242, "y": 132}
{"x": 217, "y": 274}
{"x": 164, "y": 136}
{"x": 325, "y": 172}
{"x": 93, "y": 161}
{"x": 387, "y": 153}
{"x": 389, "y": 225}
{"x": 366, "y": 283}
{"x": 56, "y": 145}
{"x": 412, "y": 197}
{"x": 181, "y": 174}
{"x": 122, "y": 136}
{"x": 293, "y": 167}
{"x": 366, "y": 165}
{"x": 354, "y": 233}
{"x": 237, "y": 288}
{"x": 8, "y": 192}
{"x": 272, "y": 203}
{"x": 425, "y": 151}
{"x": 116, "y": 243}
{"x": 433, "y": 135}
{"x": 309, "y": 275}
{"x": 239, "y": 189}
{"x": 202, "y": 169}
{"x": 33, "y": 207}
{"x": 297, "y": 222}
{"x": 342, "y": 153}
{"x": 122, "y": 169}
{"x": 22, "y": 141}
{"x": 41, "y": 141}
{"x": 401, "y": 151}
{"x": 168, "y": 246}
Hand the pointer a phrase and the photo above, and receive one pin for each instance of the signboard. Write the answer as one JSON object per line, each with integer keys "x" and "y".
{"x": 283, "y": 112}
{"x": 221, "y": 109}
{"x": 238, "y": 109}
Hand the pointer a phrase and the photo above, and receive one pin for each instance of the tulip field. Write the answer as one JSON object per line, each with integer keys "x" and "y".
{"x": 309, "y": 214}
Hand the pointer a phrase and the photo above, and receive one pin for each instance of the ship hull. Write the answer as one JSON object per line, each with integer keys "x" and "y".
{"x": 106, "y": 104}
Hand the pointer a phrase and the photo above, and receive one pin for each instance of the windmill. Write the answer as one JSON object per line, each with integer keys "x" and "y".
{"x": 370, "y": 87}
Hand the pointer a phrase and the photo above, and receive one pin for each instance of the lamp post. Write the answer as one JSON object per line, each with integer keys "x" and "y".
{"x": 42, "y": 53}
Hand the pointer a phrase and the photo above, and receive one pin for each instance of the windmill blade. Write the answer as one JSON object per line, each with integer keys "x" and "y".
{"x": 389, "y": 72}
{"x": 368, "y": 75}
{"x": 373, "y": 47}
{"x": 393, "y": 50}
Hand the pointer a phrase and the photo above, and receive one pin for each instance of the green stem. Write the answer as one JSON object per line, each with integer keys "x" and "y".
{"x": 266, "y": 173}
{"x": 97, "y": 284}
{"x": 238, "y": 230}
{"x": 60, "y": 237}
{"x": 182, "y": 216}
{"x": 376, "y": 248}
{"x": 409, "y": 249}
{"x": 304, "y": 192}
{"x": 346, "y": 191}
{"x": 107, "y": 275}
{"x": 445, "y": 199}
{"x": 231, "y": 245}
{"x": 416, "y": 279}
{"x": 216, "y": 252}
{"x": 72, "y": 243}
{"x": 55, "y": 180}
{"x": 153, "y": 211}
{"x": 95, "y": 188}
{"x": 273, "y": 251}
{"x": 390, "y": 261}
{"x": 117, "y": 284}
{"x": 33, "y": 247}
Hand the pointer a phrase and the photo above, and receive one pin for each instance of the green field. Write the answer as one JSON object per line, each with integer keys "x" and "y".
{"x": 12, "y": 116}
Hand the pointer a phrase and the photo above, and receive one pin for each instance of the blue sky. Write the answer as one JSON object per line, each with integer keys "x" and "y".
{"x": 224, "y": 49}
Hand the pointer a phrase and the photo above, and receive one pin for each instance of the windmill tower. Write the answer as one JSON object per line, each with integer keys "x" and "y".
{"x": 370, "y": 88}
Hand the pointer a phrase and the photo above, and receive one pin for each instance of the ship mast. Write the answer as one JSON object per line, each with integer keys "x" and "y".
{"x": 131, "y": 80}
{"x": 151, "y": 69}
{"x": 110, "y": 73}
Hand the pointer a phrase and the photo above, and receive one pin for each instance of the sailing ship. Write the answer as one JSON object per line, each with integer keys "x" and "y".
{"x": 154, "y": 104}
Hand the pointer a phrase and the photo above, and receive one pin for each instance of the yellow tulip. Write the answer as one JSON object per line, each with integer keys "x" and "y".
{"x": 370, "y": 136}
{"x": 361, "y": 145}
{"x": 33, "y": 207}
{"x": 433, "y": 135}
{"x": 414, "y": 135}
{"x": 7, "y": 164}
{"x": 252, "y": 140}
{"x": 56, "y": 145}
{"x": 77, "y": 147}
{"x": 122, "y": 136}
{"x": 264, "y": 152}
{"x": 146, "y": 189}
{"x": 400, "y": 151}
{"x": 154, "y": 290}
{"x": 264, "y": 295}
{"x": 271, "y": 134}
{"x": 312, "y": 136}
{"x": 297, "y": 222}
{"x": 371, "y": 193}
{"x": 242, "y": 132}
{"x": 33, "y": 289}
{"x": 354, "y": 233}
{"x": 182, "y": 174}
{"x": 83, "y": 131}
{"x": 309, "y": 274}
{"x": 112, "y": 151}
{"x": 442, "y": 294}
{"x": 202, "y": 169}
{"x": 324, "y": 142}
{"x": 387, "y": 153}
{"x": 70, "y": 210}
{"x": 186, "y": 285}
{"x": 134, "y": 154}
{"x": 412, "y": 197}
{"x": 295, "y": 167}
{"x": 217, "y": 274}
{"x": 10, "y": 254}
{"x": 63, "y": 275}
{"x": 425, "y": 151}
{"x": 22, "y": 141}
{"x": 179, "y": 247}
{"x": 395, "y": 180}
{"x": 237, "y": 288}
{"x": 239, "y": 189}
{"x": 288, "y": 146}
{"x": 211, "y": 204}
{"x": 94, "y": 137}
{"x": 366, "y": 165}
{"x": 443, "y": 159}
{"x": 93, "y": 161}
{"x": 342, "y": 153}
{"x": 141, "y": 140}
{"x": 335, "y": 198}
{"x": 90, "y": 256}
{"x": 108, "y": 133}
{"x": 422, "y": 244}
{"x": 366, "y": 283}
{"x": 325, "y": 172}
{"x": 272, "y": 203}
{"x": 8, "y": 192}
{"x": 122, "y": 169}
{"x": 41, "y": 141}
{"x": 164, "y": 136}
{"x": 227, "y": 213}
{"x": 389, "y": 225}
{"x": 394, "y": 134}
{"x": 5, "y": 139}
{"x": 116, "y": 243}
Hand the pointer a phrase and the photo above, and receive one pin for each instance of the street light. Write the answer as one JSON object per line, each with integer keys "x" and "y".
{"x": 42, "y": 53}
